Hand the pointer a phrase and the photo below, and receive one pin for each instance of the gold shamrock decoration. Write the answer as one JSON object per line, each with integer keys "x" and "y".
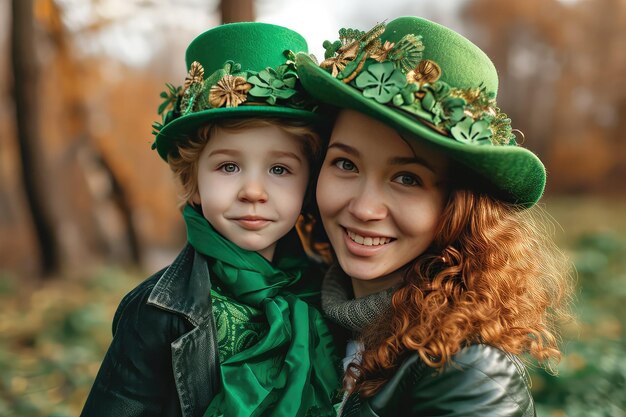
{"x": 230, "y": 91}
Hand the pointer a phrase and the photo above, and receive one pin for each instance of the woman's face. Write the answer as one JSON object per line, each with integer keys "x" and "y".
{"x": 380, "y": 200}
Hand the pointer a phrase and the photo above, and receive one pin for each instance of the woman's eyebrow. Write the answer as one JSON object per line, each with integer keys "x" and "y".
{"x": 346, "y": 148}
{"x": 399, "y": 160}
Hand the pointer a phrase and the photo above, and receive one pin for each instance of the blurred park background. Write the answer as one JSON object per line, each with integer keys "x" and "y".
{"x": 87, "y": 210}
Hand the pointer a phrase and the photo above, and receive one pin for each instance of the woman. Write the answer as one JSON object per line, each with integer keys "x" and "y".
{"x": 444, "y": 276}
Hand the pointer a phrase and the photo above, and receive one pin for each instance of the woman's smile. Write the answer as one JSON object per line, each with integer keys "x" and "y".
{"x": 365, "y": 244}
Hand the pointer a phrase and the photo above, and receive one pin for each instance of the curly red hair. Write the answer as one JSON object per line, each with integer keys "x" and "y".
{"x": 492, "y": 276}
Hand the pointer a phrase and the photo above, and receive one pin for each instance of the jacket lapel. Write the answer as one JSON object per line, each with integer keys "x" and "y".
{"x": 184, "y": 289}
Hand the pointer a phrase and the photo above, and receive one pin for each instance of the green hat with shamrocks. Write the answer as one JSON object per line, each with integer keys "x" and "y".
{"x": 432, "y": 85}
{"x": 236, "y": 70}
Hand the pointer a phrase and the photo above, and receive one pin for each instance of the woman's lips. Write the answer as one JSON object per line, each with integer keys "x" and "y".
{"x": 368, "y": 240}
{"x": 360, "y": 245}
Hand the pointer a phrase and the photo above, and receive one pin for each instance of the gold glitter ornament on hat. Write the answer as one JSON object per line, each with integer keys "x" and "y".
{"x": 192, "y": 98}
{"x": 501, "y": 128}
{"x": 230, "y": 91}
{"x": 478, "y": 103}
{"x": 372, "y": 35}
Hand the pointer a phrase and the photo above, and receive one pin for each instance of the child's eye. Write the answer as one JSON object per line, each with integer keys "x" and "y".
{"x": 410, "y": 180}
{"x": 345, "y": 165}
{"x": 279, "y": 170}
{"x": 229, "y": 168}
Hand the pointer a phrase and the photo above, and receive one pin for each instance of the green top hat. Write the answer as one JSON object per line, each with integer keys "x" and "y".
{"x": 433, "y": 85}
{"x": 251, "y": 73}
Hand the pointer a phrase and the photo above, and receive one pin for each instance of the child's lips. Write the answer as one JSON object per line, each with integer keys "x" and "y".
{"x": 252, "y": 222}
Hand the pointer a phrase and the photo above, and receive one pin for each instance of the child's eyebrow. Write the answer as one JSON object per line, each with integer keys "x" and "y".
{"x": 234, "y": 152}
{"x": 274, "y": 154}
{"x": 286, "y": 154}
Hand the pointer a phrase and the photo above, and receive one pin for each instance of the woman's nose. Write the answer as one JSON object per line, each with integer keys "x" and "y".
{"x": 368, "y": 205}
{"x": 252, "y": 191}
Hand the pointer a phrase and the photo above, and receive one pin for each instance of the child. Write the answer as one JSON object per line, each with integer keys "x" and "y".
{"x": 225, "y": 330}
{"x": 444, "y": 275}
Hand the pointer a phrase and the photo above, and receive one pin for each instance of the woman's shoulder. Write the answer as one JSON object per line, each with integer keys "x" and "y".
{"x": 495, "y": 363}
{"x": 499, "y": 371}
{"x": 479, "y": 380}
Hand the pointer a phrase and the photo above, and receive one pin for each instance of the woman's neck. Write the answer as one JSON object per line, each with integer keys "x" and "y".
{"x": 362, "y": 287}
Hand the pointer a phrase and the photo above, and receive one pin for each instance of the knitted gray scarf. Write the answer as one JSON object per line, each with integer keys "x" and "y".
{"x": 340, "y": 306}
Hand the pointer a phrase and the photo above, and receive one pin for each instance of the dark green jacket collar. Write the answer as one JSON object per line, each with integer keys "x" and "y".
{"x": 184, "y": 287}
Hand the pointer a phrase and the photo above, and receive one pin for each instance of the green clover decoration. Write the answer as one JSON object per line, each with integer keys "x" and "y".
{"x": 381, "y": 81}
{"x": 273, "y": 84}
{"x": 472, "y": 132}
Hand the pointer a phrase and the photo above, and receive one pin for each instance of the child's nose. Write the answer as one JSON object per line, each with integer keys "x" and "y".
{"x": 253, "y": 192}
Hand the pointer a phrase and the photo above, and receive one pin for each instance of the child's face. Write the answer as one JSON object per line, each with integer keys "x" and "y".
{"x": 251, "y": 185}
{"x": 380, "y": 201}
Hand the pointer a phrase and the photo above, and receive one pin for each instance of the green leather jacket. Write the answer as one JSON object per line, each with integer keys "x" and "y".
{"x": 481, "y": 381}
{"x": 163, "y": 358}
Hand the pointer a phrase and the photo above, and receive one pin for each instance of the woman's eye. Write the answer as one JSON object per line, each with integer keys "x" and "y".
{"x": 408, "y": 180}
{"x": 229, "y": 168}
{"x": 278, "y": 170}
{"x": 345, "y": 164}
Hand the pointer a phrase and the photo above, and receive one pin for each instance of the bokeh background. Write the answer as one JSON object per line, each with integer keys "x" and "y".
{"x": 87, "y": 210}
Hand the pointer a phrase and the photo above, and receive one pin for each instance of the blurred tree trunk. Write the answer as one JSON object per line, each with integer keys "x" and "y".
{"x": 237, "y": 11}
{"x": 88, "y": 205}
{"x": 25, "y": 74}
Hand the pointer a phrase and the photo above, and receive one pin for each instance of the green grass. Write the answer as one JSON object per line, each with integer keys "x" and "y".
{"x": 592, "y": 374}
{"x": 52, "y": 340}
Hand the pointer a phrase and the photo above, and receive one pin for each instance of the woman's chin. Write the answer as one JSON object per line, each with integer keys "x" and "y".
{"x": 361, "y": 270}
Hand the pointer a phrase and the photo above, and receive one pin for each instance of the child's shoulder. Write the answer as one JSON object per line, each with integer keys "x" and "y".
{"x": 137, "y": 297}
{"x": 170, "y": 300}
{"x": 138, "y": 322}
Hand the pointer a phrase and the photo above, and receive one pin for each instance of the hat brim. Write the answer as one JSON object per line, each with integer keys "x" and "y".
{"x": 185, "y": 126}
{"x": 515, "y": 174}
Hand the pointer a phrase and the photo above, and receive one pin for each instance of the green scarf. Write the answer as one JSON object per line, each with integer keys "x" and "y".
{"x": 292, "y": 370}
